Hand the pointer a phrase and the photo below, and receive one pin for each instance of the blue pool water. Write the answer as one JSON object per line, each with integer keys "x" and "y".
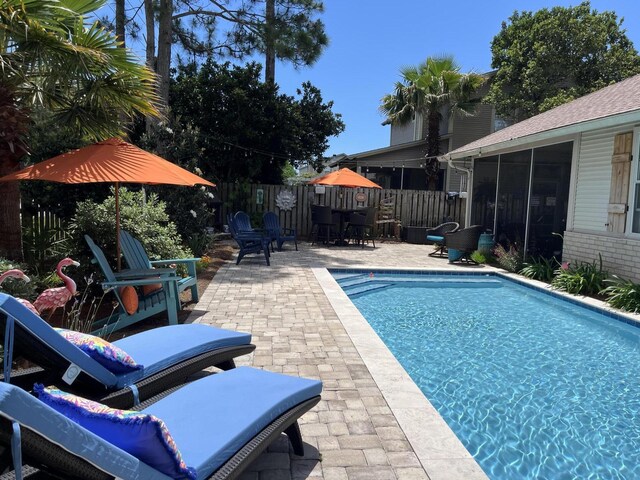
{"x": 534, "y": 386}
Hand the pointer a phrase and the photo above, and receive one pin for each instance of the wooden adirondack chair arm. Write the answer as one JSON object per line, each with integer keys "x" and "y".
{"x": 174, "y": 260}
{"x": 147, "y": 272}
{"x": 134, "y": 282}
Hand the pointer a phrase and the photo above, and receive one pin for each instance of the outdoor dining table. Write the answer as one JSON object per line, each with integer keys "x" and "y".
{"x": 344, "y": 218}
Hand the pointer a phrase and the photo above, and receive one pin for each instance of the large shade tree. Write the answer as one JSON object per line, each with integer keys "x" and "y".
{"x": 54, "y": 62}
{"x": 546, "y": 58}
{"x": 429, "y": 89}
{"x": 241, "y": 129}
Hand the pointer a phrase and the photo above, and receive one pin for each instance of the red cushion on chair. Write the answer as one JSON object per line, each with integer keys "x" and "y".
{"x": 129, "y": 298}
{"x": 149, "y": 289}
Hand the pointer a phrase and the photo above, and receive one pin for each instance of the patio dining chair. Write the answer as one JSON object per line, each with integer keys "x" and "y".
{"x": 436, "y": 236}
{"x": 323, "y": 224}
{"x": 360, "y": 226}
{"x": 212, "y": 428}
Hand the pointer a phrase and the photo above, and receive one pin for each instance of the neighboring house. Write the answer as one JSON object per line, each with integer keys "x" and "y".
{"x": 400, "y": 165}
{"x": 571, "y": 171}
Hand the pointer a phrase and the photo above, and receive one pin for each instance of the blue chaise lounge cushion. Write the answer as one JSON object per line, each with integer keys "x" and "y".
{"x": 166, "y": 346}
{"x": 241, "y": 403}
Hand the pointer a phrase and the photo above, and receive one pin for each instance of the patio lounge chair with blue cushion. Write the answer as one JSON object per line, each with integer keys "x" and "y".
{"x": 436, "y": 236}
{"x": 277, "y": 233}
{"x": 211, "y": 428}
{"x": 462, "y": 243}
{"x": 162, "y": 357}
{"x": 137, "y": 259}
{"x": 249, "y": 241}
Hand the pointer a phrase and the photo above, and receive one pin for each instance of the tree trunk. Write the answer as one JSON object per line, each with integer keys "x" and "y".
{"x": 121, "y": 19}
{"x": 164, "y": 52}
{"x": 10, "y": 226}
{"x": 432, "y": 166}
{"x": 14, "y": 126}
{"x": 270, "y": 51}
{"x": 150, "y": 23}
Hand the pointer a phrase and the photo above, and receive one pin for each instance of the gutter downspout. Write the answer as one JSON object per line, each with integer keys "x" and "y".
{"x": 469, "y": 172}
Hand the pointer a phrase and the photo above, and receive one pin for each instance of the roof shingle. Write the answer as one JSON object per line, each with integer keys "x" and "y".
{"x": 615, "y": 99}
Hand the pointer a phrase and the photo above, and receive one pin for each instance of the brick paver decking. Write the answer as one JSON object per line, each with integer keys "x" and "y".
{"x": 352, "y": 434}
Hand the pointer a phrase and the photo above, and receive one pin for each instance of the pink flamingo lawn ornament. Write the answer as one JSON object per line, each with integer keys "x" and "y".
{"x": 20, "y": 275}
{"x": 54, "y": 298}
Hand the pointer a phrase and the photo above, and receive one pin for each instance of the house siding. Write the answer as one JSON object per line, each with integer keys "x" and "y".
{"x": 402, "y": 133}
{"x": 619, "y": 255}
{"x": 468, "y": 129}
{"x": 594, "y": 178}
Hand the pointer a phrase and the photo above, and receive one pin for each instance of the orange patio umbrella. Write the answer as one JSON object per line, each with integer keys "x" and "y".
{"x": 344, "y": 178}
{"x": 111, "y": 161}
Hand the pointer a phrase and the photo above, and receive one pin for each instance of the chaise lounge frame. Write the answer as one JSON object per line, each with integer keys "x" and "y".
{"x": 52, "y": 365}
{"x": 40, "y": 453}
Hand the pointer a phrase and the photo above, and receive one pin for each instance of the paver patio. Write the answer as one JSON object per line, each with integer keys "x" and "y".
{"x": 352, "y": 433}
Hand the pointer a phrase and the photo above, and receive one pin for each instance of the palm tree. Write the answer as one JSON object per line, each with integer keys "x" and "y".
{"x": 52, "y": 60}
{"x": 425, "y": 90}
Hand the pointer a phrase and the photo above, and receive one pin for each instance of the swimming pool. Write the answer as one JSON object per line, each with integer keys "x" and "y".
{"x": 534, "y": 386}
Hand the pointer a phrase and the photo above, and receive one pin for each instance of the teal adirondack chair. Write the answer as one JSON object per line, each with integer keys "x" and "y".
{"x": 137, "y": 259}
{"x": 164, "y": 300}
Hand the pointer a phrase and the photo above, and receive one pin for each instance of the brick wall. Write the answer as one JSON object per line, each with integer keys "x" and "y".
{"x": 620, "y": 256}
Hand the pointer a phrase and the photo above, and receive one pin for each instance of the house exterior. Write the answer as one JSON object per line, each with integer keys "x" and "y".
{"x": 564, "y": 182}
{"x": 401, "y": 164}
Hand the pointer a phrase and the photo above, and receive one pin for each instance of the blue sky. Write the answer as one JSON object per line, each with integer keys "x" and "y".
{"x": 371, "y": 40}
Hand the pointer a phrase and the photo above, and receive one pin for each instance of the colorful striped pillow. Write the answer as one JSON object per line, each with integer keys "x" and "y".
{"x": 106, "y": 354}
{"x": 146, "y": 437}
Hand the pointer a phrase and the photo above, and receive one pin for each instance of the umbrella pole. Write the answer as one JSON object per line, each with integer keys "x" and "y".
{"x": 118, "y": 226}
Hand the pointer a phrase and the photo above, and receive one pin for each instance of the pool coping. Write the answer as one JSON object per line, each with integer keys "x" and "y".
{"x": 440, "y": 452}
{"x": 438, "y": 449}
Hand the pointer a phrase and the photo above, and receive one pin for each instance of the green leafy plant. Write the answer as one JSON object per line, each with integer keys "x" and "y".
{"x": 198, "y": 243}
{"x": 510, "y": 260}
{"x": 479, "y": 257}
{"x": 582, "y": 279}
{"x": 539, "y": 268}
{"x": 622, "y": 294}
{"x": 43, "y": 244}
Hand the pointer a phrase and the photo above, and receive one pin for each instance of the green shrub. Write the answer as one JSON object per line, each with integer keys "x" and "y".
{"x": 539, "y": 268}
{"x": 199, "y": 243}
{"x": 510, "y": 260}
{"x": 622, "y": 294}
{"x": 146, "y": 219}
{"x": 582, "y": 279}
{"x": 479, "y": 257}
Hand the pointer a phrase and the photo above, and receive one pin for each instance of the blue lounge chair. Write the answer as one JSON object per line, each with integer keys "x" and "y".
{"x": 276, "y": 233}
{"x": 243, "y": 222}
{"x": 158, "y": 301}
{"x": 137, "y": 259}
{"x": 249, "y": 241}
{"x": 220, "y": 424}
{"x": 168, "y": 355}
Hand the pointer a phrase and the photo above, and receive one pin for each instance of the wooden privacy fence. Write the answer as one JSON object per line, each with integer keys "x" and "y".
{"x": 412, "y": 207}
